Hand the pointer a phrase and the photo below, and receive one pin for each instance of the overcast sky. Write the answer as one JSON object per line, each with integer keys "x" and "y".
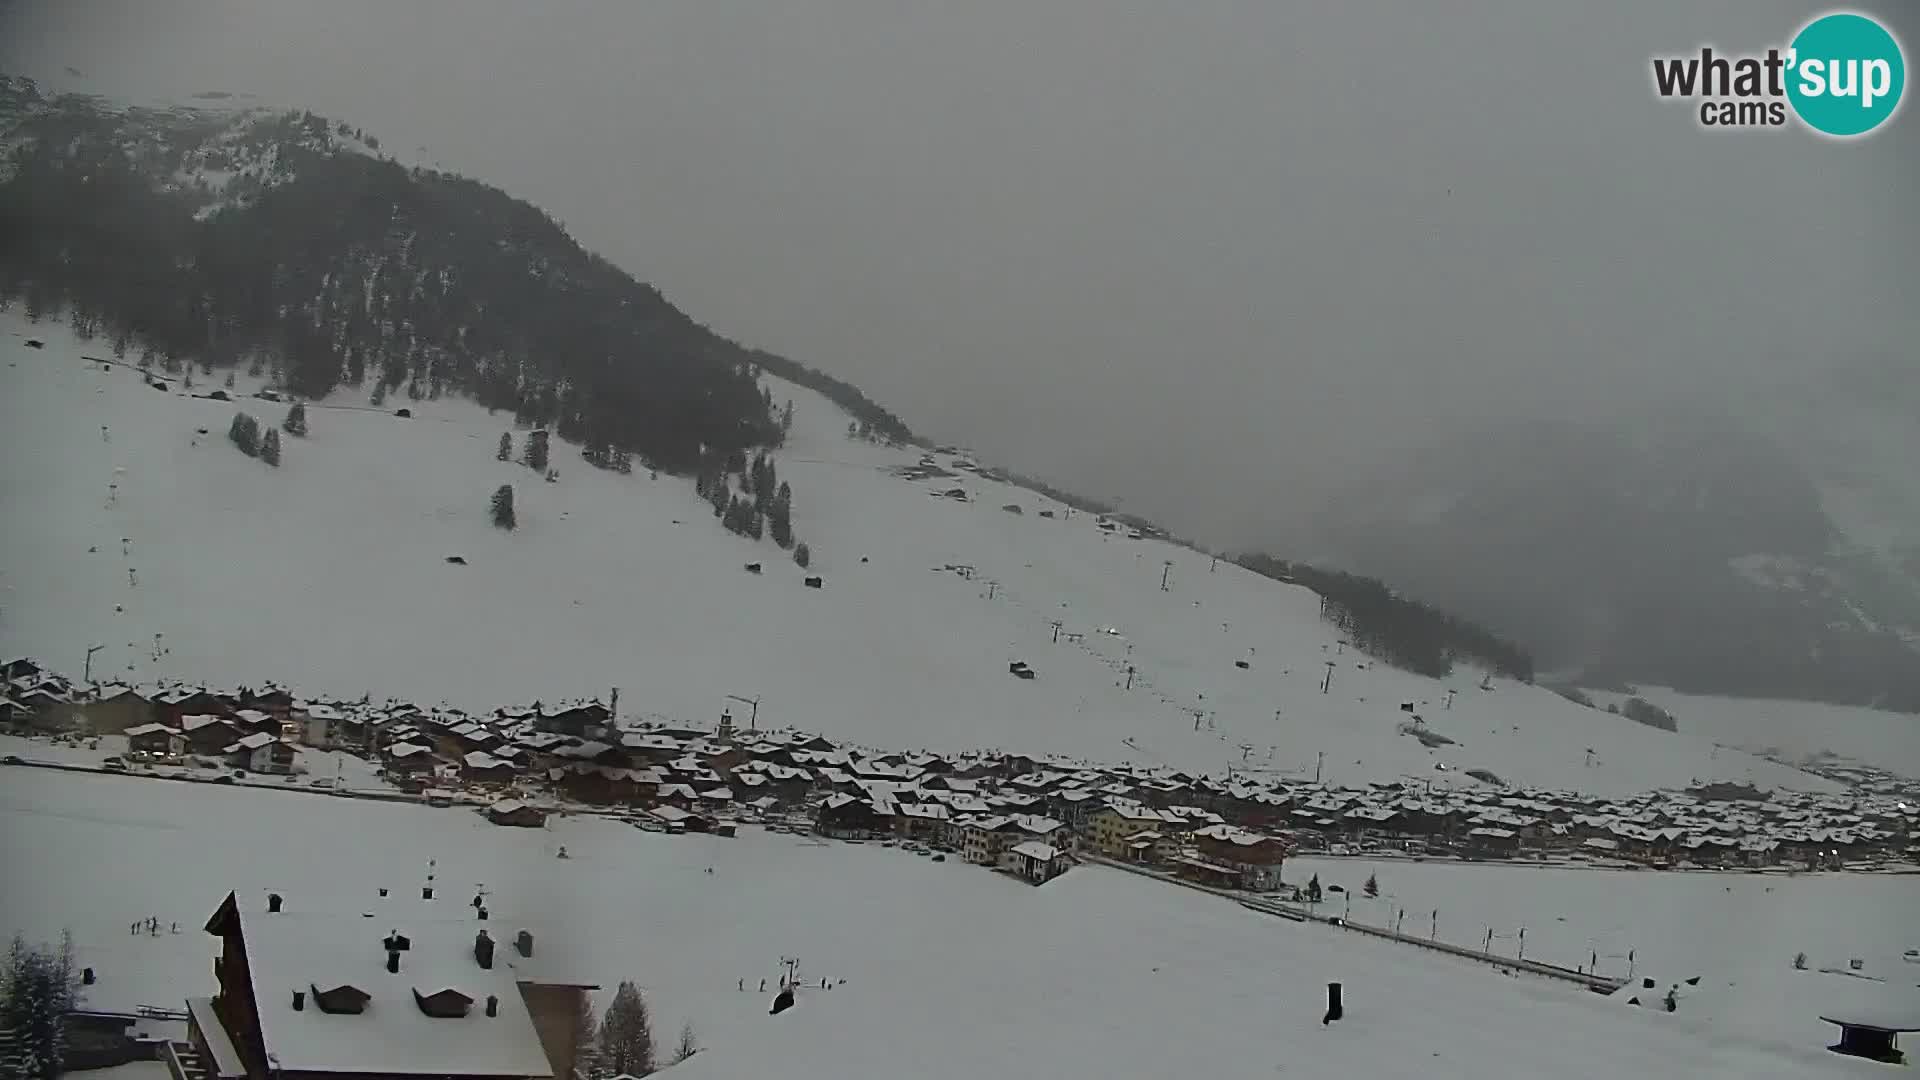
{"x": 1201, "y": 255}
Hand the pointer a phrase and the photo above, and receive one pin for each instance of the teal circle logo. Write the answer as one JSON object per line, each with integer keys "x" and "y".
{"x": 1847, "y": 74}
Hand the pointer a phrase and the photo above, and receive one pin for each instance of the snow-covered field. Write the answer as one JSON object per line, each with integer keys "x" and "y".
{"x": 1793, "y": 730}
{"x": 329, "y": 574}
{"x": 1738, "y": 933}
{"x": 949, "y": 971}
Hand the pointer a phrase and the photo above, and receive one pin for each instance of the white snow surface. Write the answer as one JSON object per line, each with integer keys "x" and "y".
{"x": 946, "y": 971}
{"x": 1737, "y": 933}
{"x": 1792, "y": 730}
{"x": 329, "y": 575}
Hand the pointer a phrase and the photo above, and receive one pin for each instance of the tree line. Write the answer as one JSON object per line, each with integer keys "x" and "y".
{"x": 756, "y": 504}
{"x": 1404, "y": 633}
{"x": 335, "y": 269}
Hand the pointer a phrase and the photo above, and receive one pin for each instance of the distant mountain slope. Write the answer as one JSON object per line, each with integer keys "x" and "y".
{"x": 280, "y": 239}
{"x": 122, "y": 526}
{"x": 1684, "y": 551}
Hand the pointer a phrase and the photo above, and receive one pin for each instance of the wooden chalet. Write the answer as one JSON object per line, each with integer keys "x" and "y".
{"x": 420, "y": 990}
{"x": 116, "y": 711}
{"x": 156, "y": 739}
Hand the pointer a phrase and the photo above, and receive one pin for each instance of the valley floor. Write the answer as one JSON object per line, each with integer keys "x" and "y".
{"x": 965, "y": 973}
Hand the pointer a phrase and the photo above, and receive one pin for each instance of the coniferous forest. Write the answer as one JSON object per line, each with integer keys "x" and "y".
{"x": 278, "y": 241}
{"x": 1402, "y": 632}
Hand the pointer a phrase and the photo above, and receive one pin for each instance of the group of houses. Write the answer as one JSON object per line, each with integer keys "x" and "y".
{"x": 245, "y": 729}
{"x": 1031, "y": 817}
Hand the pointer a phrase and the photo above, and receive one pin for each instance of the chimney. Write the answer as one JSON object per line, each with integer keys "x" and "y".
{"x": 393, "y": 961}
{"x": 483, "y": 950}
{"x": 523, "y": 942}
{"x": 493, "y": 1005}
{"x": 86, "y": 977}
{"x": 299, "y": 1000}
{"x": 273, "y": 901}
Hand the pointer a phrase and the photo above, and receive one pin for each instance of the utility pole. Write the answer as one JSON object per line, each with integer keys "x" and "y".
{"x": 991, "y": 586}
{"x": 1055, "y": 623}
{"x": 1326, "y": 684}
{"x": 753, "y": 717}
{"x": 1165, "y": 572}
{"x": 87, "y": 672}
{"x": 1129, "y": 676}
{"x": 1450, "y": 699}
{"x": 1319, "y": 760}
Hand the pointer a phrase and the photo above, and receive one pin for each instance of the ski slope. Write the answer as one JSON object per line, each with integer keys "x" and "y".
{"x": 330, "y": 575}
{"x": 1793, "y": 730}
{"x": 942, "y": 970}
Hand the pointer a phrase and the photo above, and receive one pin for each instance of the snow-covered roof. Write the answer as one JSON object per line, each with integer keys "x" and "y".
{"x": 1034, "y": 849}
{"x": 150, "y": 729}
{"x": 406, "y": 749}
{"x": 195, "y": 723}
{"x": 293, "y": 951}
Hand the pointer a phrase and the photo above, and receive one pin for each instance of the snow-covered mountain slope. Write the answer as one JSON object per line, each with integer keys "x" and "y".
{"x": 331, "y": 574}
{"x": 1791, "y": 730}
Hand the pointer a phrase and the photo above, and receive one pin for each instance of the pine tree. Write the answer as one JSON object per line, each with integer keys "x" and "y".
{"x": 786, "y": 417}
{"x": 1372, "y": 887}
{"x": 296, "y": 421}
{"x": 503, "y": 507}
{"x": 853, "y": 428}
{"x": 245, "y": 433}
{"x": 626, "y": 1034}
{"x": 689, "y": 1044}
{"x": 228, "y": 383}
{"x": 505, "y": 453}
{"x": 780, "y": 517}
{"x": 379, "y": 397}
{"x": 586, "y": 1054}
{"x": 38, "y": 989}
{"x": 802, "y": 555}
{"x": 535, "y": 454}
{"x": 270, "y": 448}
